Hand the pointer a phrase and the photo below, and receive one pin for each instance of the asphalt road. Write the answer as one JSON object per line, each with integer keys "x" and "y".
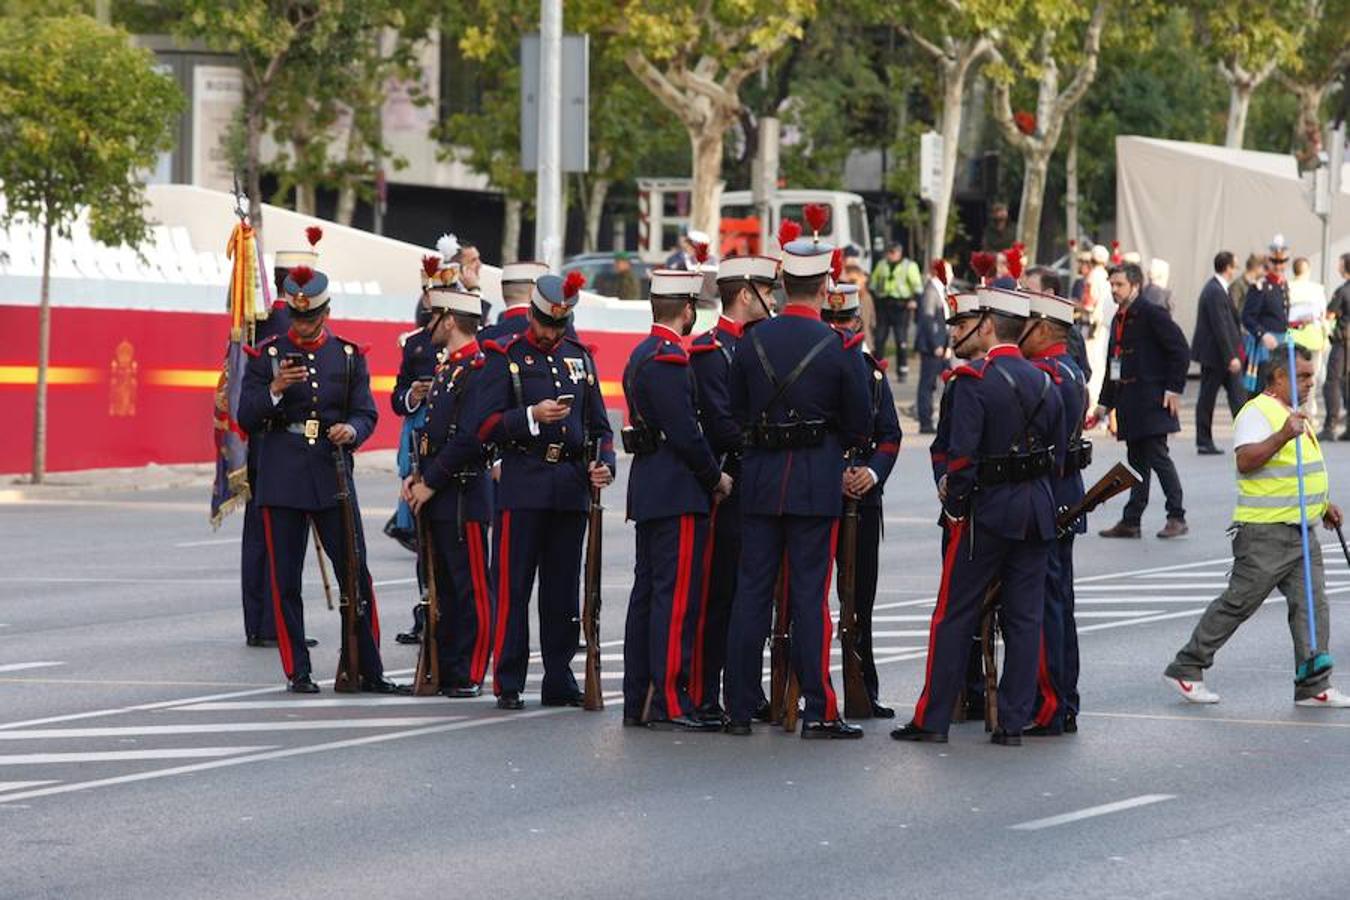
{"x": 145, "y": 751}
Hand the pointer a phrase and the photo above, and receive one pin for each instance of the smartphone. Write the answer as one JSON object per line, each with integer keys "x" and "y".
{"x": 566, "y": 399}
{"x": 295, "y": 358}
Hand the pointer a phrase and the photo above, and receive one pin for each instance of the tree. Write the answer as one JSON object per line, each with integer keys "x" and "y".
{"x": 82, "y": 115}
{"x": 694, "y": 58}
{"x": 1035, "y": 136}
{"x": 1323, "y": 57}
{"x": 1246, "y": 40}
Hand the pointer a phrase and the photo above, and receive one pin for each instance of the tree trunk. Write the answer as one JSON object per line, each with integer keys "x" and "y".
{"x": 1239, "y": 98}
{"x": 595, "y": 208}
{"x": 511, "y": 231}
{"x": 1035, "y": 165}
{"x": 1071, "y": 185}
{"x": 304, "y": 199}
{"x": 953, "y": 83}
{"x": 706, "y": 143}
{"x": 346, "y": 206}
{"x": 44, "y": 354}
{"x": 253, "y": 128}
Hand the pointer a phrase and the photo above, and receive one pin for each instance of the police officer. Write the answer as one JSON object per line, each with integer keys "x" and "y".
{"x": 260, "y": 628}
{"x": 863, "y": 481}
{"x": 306, "y": 396}
{"x": 540, "y": 404}
{"x": 518, "y": 280}
{"x": 745, "y": 284}
{"x": 801, "y": 391}
{"x": 1045, "y": 344}
{"x": 1005, "y": 417}
{"x": 669, "y": 451}
{"x": 452, "y": 486}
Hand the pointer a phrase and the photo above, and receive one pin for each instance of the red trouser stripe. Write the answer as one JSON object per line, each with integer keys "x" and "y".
{"x": 374, "y": 611}
{"x": 679, "y": 605}
{"x": 827, "y": 630}
{"x": 955, "y": 532}
{"x": 283, "y": 637}
{"x": 1049, "y": 700}
{"x": 696, "y": 668}
{"x": 503, "y": 593}
{"x": 482, "y": 612}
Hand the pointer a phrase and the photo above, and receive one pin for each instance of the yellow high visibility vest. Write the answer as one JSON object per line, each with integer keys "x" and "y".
{"x": 1269, "y": 495}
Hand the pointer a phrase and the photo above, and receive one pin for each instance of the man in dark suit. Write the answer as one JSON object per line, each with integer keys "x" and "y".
{"x": 930, "y": 341}
{"x": 1217, "y": 347}
{"x": 1146, "y": 360}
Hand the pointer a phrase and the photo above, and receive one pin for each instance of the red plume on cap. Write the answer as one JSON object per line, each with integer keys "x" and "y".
{"x": 431, "y": 265}
{"x": 983, "y": 263}
{"x": 817, "y": 215}
{"x": 574, "y": 282}
{"x": 1025, "y": 122}
{"x": 301, "y": 275}
{"x": 314, "y": 234}
{"x": 701, "y": 252}
{"x": 939, "y": 270}
{"x": 1072, "y": 243}
{"x": 1014, "y": 259}
{"x": 837, "y": 264}
{"x": 788, "y": 231}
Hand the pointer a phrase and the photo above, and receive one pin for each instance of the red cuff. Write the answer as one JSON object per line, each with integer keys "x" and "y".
{"x": 489, "y": 424}
{"x": 958, "y": 464}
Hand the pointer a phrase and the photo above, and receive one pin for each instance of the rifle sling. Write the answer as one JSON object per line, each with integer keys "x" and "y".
{"x": 781, "y": 388}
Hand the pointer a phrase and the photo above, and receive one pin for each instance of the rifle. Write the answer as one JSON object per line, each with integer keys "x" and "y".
{"x": 779, "y": 660}
{"x": 427, "y": 681}
{"x": 1118, "y": 478}
{"x": 857, "y": 702}
{"x": 593, "y": 698}
{"x": 348, "y": 679}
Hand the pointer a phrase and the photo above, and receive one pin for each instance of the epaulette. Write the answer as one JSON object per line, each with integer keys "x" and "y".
{"x": 257, "y": 349}
{"x": 710, "y": 336}
{"x": 670, "y": 352}
{"x": 851, "y": 341}
{"x": 404, "y": 337}
{"x": 969, "y": 370}
{"x": 478, "y": 362}
{"x": 358, "y": 349}
{"x": 499, "y": 346}
{"x": 1049, "y": 369}
{"x": 705, "y": 348}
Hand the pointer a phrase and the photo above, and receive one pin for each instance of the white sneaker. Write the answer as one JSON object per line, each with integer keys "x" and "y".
{"x": 1195, "y": 691}
{"x": 1328, "y": 699}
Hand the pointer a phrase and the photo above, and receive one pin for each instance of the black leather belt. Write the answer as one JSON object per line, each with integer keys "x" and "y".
{"x": 1079, "y": 456}
{"x": 1015, "y": 467}
{"x": 787, "y": 435}
{"x": 550, "y": 453}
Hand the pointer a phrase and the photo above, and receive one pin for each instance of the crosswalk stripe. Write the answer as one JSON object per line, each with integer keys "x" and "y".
{"x": 900, "y": 634}
{"x": 1114, "y": 613}
{"x": 20, "y": 667}
{"x": 222, "y": 728}
{"x": 1142, "y": 601}
{"x": 16, "y": 785}
{"x": 93, "y": 756}
{"x": 238, "y": 705}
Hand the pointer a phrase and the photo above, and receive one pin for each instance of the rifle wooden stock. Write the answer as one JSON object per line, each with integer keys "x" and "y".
{"x": 348, "y": 678}
{"x": 1118, "y": 478}
{"x": 780, "y": 663}
{"x": 592, "y": 697}
{"x": 857, "y": 703}
{"x": 427, "y": 681}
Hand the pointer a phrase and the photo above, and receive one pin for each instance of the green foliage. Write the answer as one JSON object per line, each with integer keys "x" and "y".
{"x": 82, "y": 115}
{"x": 1249, "y": 33}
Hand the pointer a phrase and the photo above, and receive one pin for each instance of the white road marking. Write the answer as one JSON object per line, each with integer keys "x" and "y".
{"x": 1141, "y": 601}
{"x": 1220, "y": 720}
{"x": 17, "y": 785}
{"x": 211, "y": 543}
{"x": 1092, "y": 812}
{"x": 326, "y": 703}
{"x": 35, "y": 579}
{"x": 389, "y": 581}
{"x": 222, "y": 728}
{"x": 917, "y": 618}
{"x": 19, "y": 667}
{"x": 1161, "y": 617}
{"x": 94, "y": 756}
{"x": 900, "y": 634}
{"x": 1114, "y": 614}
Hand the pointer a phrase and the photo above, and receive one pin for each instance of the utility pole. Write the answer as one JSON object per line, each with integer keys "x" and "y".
{"x": 548, "y": 233}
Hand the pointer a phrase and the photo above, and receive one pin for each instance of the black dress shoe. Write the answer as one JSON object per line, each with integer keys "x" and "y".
{"x": 408, "y": 637}
{"x": 1006, "y": 738}
{"x": 462, "y": 691}
{"x": 311, "y": 642}
{"x": 632, "y": 721}
{"x": 510, "y": 700}
{"x": 740, "y": 729}
{"x": 911, "y": 732}
{"x": 1070, "y": 723}
{"x": 565, "y": 700}
{"x": 1043, "y": 731}
{"x": 254, "y": 641}
{"x": 882, "y": 712}
{"x": 1210, "y": 450}
{"x": 383, "y": 685}
{"x": 762, "y": 713}
{"x": 837, "y": 730}
{"x": 302, "y": 684}
{"x": 684, "y": 723}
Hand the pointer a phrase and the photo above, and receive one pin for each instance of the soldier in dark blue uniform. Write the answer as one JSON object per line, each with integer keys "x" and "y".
{"x": 864, "y": 480}
{"x": 1265, "y": 313}
{"x": 746, "y": 285}
{"x": 518, "y": 280}
{"x": 539, "y": 402}
{"x": 260, "y": 628}
{"x": 1045, "y": 344}
{"x": 801, "y": 391}
{"x": 452, "y": 486}
{"x": 1005, "y": 416}
{"x": 306, "y": 396}
{"x": 669, "y": 451}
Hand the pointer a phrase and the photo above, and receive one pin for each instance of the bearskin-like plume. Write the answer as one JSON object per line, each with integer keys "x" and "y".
{"x": 983, "y": 264}
{"x": 701, "y": 253}
{"x": 314, "y": 234}
{"x": 431, "y": 265}
{"x": 301, "y": 275}
{"x": 817, "y": 215}
{"x": 1015, "y": 261}
{"x": 574, "y": 282}
{"x": 788, "y": 231}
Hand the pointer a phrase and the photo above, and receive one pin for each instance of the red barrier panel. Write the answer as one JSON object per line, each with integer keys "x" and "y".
{"x": 131, "y": 387}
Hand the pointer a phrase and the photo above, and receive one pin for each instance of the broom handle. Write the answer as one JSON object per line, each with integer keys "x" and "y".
{"x": 1302, "y": 501}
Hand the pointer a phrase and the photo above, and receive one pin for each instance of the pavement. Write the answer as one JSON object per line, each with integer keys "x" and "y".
{"x": 145, "y": 751}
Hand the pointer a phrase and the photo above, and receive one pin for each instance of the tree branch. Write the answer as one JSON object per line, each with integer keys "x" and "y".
{"x": 652, "y": 78}
{"x": 1087, "y": 70}
{"x": 924, "y": 44}
{"x": 1003, "y": 114}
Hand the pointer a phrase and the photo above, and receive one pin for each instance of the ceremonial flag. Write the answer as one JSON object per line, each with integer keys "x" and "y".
{"x": 248, "y": 300}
